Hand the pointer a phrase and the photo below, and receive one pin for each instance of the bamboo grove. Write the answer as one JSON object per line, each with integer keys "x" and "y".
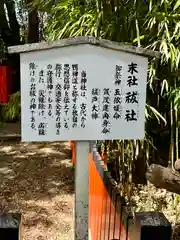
{"x": 152, "y": 24}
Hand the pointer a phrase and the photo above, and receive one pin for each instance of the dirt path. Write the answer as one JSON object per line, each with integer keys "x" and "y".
{"x": 37, "y": 180}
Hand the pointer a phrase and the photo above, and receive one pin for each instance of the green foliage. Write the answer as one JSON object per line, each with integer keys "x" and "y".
{"x": 3, "y": 50}
{"x": 12, "y": 110}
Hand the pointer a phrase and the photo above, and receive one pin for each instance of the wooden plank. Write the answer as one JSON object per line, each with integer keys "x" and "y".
{"x": 6, "y": 137}
{"x": 83, "y": 40}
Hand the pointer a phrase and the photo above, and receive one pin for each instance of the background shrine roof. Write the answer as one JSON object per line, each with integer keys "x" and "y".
{"x": 83, "y": 40}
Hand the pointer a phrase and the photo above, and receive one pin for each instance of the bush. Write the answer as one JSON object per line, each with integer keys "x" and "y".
{"x": 11, "y": 111}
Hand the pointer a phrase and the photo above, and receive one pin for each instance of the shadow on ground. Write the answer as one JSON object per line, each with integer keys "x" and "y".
{"x": 36, "y": 179}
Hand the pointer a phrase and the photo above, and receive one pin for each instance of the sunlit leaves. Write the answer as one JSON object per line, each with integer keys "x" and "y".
{"x": 151, "y": 112}
{"x": 177, "y": 5}
{"x": 164, "y": 87}
{"x": 174, "y": 96}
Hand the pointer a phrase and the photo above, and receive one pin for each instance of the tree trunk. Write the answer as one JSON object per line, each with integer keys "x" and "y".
{"x": 162, "y": 177}
{"x": 14, "y": 26}
{"x": 33, "y": 25}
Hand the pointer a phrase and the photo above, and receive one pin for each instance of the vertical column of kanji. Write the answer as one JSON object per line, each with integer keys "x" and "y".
{"x": 41, "y": 102}
{"x": 58, "y": 97}
{"x": 50, "y": 88}
{"x": 66, "y": 95}
{"x": 95, "y": 101}
{"x": 33, "y": 94}
{"x": 83, "y": 93}
{"x": 47, "y": 92}
{"x": 74, "y": 95}
{"x": 132, "y": 96}
{"x": 117, "y": 102}
{"x": 106, "y": 123}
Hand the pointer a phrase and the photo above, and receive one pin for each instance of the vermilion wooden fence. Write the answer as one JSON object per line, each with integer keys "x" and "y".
{"x": 108, "y": 218}
{"x": 3, "y": 85}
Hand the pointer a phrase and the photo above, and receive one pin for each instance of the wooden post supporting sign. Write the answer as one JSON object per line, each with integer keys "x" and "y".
{"x": 82, "y": 190}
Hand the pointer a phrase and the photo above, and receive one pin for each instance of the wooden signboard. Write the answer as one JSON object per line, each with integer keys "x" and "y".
{"x": 82, "y": 89}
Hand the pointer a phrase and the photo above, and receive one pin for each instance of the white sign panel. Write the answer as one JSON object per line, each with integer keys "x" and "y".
{"x": 82, "y": 92}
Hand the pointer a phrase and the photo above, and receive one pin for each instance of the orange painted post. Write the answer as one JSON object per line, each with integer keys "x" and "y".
{"x": 3, "y": 85}
{"x": 6, "y": 83}
{"x": 108, "y": 209}
{"x": 99, "y": 203}
{"x": 73, "y": 149}
{"x": 101, "y": 208}
{"x": 112, "y": 223}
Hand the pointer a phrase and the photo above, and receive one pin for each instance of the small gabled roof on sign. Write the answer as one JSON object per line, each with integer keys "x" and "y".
{"x": 83, "y": 40}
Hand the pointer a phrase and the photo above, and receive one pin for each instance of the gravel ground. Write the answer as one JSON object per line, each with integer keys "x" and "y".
{"x": 36, "y": 179}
